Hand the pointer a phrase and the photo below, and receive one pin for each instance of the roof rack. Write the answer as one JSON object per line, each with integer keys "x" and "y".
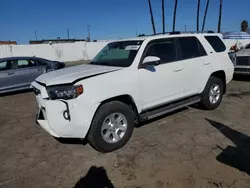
{"x": 179, "y": 32}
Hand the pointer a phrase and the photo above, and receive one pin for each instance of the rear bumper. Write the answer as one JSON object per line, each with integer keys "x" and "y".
{"x": 66, "y": 119}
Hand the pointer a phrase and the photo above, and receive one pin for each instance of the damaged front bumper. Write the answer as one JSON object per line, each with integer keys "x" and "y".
{"x": 63, "y": 118}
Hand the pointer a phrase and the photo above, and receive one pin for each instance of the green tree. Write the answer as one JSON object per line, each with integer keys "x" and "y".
{"x": 205, "y": 15}
{"x": 152, "y": 16}
{"x": 244, "y": 25}
{"x": 174, "y": 16}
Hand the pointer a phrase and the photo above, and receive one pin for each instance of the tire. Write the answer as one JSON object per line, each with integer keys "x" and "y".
{"x": 97, "y": 131}
{"x": 206, "y": 100}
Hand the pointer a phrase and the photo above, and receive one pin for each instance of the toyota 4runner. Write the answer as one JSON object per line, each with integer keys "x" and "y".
{"x": 130, "y": 81}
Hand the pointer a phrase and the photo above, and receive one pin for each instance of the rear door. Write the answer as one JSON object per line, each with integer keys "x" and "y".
{"x": 42, "y": 66}
{"x": 194, "y": 58}
{"x": 25, "y": 71}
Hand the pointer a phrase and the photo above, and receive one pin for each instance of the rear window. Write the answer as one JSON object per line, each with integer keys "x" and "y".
{"x": 216, "y": 43}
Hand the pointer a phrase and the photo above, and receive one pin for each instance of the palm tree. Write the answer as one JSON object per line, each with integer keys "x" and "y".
{"x": 163, "y": 16}
{"x": 244, "y": 26}
{"x": 205, "y": 15}
{"x": 174, "y": 17}
{"x": 219, "y": 22}
{"x": 152, "y": 16}
{"x": 198, "y": 15}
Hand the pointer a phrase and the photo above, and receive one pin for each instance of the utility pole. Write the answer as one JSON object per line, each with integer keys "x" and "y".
{"x": 88, "y": 28}
{"x": 68, "y": 32}
{"x": 185, "y": 28}
{"x": 35, "y": 34}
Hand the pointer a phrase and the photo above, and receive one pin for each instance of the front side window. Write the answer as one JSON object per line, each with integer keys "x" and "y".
{"x": 216, "y": 43}
{"x": 3, "y": 66}
{"x": 190, "y": 47}
{"x": 164, "y": 49}
{"x": 121, "y": 54}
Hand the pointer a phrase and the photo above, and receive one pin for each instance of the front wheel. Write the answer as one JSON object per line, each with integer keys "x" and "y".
{"x": 112, "y": 126}
{"x": 212, "y": 94}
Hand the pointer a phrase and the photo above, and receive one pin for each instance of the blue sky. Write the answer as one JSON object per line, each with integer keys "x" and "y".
{"x": 109, "y": 19}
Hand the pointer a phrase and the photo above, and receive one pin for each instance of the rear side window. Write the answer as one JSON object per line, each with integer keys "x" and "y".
{"x": 190, "y": 47}
{"x": 216, "y": 43}
{"x": 41, "y": 63}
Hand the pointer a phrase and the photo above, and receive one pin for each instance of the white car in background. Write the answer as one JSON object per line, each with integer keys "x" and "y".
{"x": 130, "y": 81}
{"x": 242, "y": 64}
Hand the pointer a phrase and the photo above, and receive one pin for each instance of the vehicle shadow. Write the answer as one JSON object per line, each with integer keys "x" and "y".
{"x": 15, "y": 92}
{"x": 72, "y": 141}
{"x": 95, "y": 178}
{"x": 245, "y": 78}
{"x": 236, "y": 157}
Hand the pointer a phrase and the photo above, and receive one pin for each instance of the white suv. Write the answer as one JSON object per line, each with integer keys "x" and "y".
{"x": 130, "y": 81}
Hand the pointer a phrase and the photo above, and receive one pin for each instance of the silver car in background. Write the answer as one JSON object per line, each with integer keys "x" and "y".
{"x": 17, "y": 73}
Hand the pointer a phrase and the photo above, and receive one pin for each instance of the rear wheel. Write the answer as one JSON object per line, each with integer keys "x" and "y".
{"x": 112, "y": 126}
{"x": 213, "y": 93}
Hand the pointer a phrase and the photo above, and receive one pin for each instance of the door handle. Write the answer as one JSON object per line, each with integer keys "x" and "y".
{"x": 206, "y": 63}
{"x": 177, "y": 69}
{"x": 10, "y": 73}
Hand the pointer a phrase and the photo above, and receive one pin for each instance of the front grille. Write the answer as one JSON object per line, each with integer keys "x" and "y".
{"x": 36, "y": 91}
{"x": 243, "y": 60}
{"x": 241, "y": 69}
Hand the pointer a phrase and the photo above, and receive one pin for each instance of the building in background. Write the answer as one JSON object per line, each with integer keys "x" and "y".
{"x": 8, "y": 42}
{"x": 56, "y": 41}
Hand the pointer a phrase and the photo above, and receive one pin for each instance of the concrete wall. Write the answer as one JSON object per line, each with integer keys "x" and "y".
{"x": 63, "y": 52}
{"x": 70, "y": 51}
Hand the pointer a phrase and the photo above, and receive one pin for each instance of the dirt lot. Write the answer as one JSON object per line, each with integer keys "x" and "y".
{"x": 190, "y": 148}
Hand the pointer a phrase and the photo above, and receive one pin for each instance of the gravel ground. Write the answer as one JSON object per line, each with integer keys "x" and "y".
{"x": 190, "y": 148}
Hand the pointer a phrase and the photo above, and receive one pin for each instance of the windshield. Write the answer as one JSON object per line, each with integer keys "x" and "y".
{"x": 248, "y": 46}
{"x": 121, "y": 54}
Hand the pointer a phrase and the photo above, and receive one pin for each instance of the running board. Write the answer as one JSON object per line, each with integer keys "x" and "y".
{"x": 147, "y": 115}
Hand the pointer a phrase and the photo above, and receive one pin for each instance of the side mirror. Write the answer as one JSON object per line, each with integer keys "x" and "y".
{"x": 150, "y": 61}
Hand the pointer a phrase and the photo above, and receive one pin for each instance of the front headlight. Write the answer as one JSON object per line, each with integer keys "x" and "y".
{"x": 64, "y": 92}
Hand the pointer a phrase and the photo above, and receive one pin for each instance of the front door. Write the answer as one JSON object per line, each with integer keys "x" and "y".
{"x": 7, "y": 78}
{"x": 162, "y": 83}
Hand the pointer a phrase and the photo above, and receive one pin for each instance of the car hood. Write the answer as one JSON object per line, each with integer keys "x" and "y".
{"x": 75, "y": 73}
{"x": 244, "y": 52}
